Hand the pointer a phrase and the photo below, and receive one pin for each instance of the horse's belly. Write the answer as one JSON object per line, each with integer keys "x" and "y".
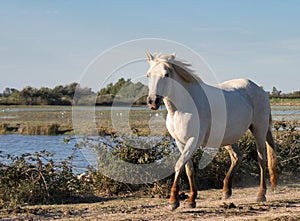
{"x": 233, "y": 136}
{"x": 238, "y": 122}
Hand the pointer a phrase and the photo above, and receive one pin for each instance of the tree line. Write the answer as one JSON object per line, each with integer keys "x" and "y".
{"x": 275, "y": 93}
{"x": 124, "y": 90}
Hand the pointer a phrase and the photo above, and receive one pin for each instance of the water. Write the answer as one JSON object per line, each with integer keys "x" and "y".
{"x": 19, "y": 144}
{"x": 286, "y": 112}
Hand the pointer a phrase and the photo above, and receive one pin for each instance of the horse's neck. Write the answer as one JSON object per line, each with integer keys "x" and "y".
{"x": 169, "y": 106}
{"x": 180, "y": 98}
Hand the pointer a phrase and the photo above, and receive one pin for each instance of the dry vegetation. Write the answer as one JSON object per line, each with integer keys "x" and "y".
{"x": 41, "y": 182}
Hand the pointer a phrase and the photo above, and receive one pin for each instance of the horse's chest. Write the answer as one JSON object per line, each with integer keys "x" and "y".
{"x": 181, "y": 126}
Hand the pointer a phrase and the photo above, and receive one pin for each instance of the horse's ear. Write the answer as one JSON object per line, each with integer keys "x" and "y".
{"x": 149, "y": 56}
{"x": 168, "y": 57}
{"x": 172, "y": 56}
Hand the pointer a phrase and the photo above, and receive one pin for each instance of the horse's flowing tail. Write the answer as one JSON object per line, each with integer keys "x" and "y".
{"x": 272, "y": 158}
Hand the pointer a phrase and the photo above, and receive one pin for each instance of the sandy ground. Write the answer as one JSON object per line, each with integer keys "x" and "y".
{"x": 282, "y": 205}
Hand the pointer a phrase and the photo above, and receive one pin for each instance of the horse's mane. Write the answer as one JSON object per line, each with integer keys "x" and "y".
{"x": 180, "y": 67}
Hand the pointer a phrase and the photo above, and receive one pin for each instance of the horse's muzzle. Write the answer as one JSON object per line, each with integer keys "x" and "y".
{"x": 154, "y": 101}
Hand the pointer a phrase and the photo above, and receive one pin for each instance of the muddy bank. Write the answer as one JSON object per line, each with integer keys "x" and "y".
{"x": 46, "y": 129}
{"x": 24, "y": 129}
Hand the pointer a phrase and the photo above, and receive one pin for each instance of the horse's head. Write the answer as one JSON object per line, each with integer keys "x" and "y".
{"x": 158, "y": 75}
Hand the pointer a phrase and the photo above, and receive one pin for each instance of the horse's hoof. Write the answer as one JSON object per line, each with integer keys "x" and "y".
{"x": 190, "y": 205}
{"x": 261, "y": 199}
{"x": 226, "y": 195}
{"x": 174, "y": 205}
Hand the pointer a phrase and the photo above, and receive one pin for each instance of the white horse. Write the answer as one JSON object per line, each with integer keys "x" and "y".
{"x": 193, "y": 116}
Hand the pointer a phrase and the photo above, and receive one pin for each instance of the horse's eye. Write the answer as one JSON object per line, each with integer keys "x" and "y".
{"x": 148, "y": 74}
{"x": 166, "y": 74}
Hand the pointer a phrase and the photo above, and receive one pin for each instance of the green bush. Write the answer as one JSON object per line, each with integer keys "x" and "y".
{"x": 36, "y": 178}
{"x": 287, "y": 148}
{"x": 119, "y": 149}
{"x": 288, "y": 152}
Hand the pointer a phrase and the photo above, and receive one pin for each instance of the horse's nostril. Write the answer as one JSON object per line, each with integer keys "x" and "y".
{"x": 149, "y": 100}
{"x": 157, "y": 101}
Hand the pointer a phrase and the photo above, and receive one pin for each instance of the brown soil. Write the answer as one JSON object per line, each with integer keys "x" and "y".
{"x": 282, "y": 205}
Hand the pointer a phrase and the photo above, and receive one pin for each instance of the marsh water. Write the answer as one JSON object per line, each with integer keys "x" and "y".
{"x": 18, "y": 144}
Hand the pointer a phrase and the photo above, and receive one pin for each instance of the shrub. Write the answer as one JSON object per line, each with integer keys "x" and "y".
{"x": 36, "y": 178}
{"x": 287, "y": 147}
{"x": 119, "y": 149}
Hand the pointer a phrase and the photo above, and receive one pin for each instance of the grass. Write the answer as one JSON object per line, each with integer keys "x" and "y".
{"x": 27, "y": 122}
{"x": 35, "y": 122}
{"x": 285, "y": 101}
{"x": 52, "y": 120}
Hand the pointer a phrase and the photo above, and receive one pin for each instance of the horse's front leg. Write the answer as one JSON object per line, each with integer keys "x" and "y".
{"x": 191, "y": 202}
{"x": 174, "y": 196}
{"x": 185, "y": 157}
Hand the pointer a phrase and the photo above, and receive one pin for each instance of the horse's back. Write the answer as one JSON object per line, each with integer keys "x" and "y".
{"x": 237, "y": 91}
{"x": 247, "y": 89}
{"x": 247, "y": 104}
{"x": 236, "y": 84}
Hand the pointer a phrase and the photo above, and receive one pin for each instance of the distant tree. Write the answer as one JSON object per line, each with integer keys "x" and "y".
{"x": 275, "y": 92}
{"x": 14, "y": 98}
{"x": 13, "y": 90}
{"x": 58, "y": 90}
{"x": 70, "y": 89}
{"x": 46, "y": 96}
{"x": 296, "y": 93}
{"x": 125, "y": 90}
{"x": 28, "y": 95}
{"x": 114, "y": 88}
{"x": 84, "y": 96}
{"x": 7, "y": 92}
{"x": 65, "y": 94}
{"x": 10, "y": 96}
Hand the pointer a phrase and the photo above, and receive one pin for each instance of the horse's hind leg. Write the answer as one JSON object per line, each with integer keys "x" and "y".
{"x": 236, "y": 157}
{"x": 272, "y": 159}
{"x": 260, "y": 139}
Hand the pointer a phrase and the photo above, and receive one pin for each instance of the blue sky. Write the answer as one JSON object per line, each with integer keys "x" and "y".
{"x": 47, "y": 43}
